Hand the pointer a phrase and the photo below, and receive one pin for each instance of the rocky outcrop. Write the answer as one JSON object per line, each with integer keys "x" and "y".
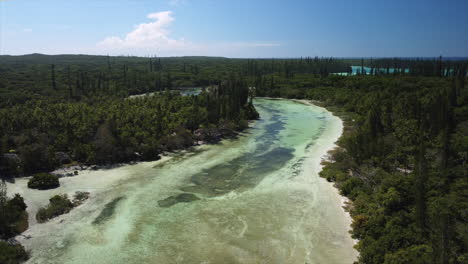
{"x": 12, "y": 157}
{"x": 10, "y": 165}
{"x": 215, "y": 134}
{"x": 63, "y": 158}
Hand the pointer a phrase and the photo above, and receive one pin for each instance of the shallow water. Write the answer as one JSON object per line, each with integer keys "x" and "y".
{"x": 260, "y": 201}
{"x": 355, "y": 70}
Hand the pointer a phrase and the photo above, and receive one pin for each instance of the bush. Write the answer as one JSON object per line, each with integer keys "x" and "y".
{"x": 80, "y": 197}
{"x": 12, "y": 254}
{"x": 17, "y": 216}
{"x": 13, "y": 215}
{"x": 44, "y": 181}
{"x": 17, "y": 202}
{"x": 179, "y": 139}
{"x": 59, "y": 204}
{"x": 350, "y": 187}
{"x": 10, "y": 164}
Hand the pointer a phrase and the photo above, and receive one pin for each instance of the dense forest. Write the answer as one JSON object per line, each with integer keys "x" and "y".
{"x": 402, "y": 159}
{"x": 78, "y": 109}
{"x": 41, "y": 134}
{"x": 73, "y": 77}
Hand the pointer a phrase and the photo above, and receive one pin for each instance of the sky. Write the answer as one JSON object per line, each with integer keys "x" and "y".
{"x": 236, "y": 28}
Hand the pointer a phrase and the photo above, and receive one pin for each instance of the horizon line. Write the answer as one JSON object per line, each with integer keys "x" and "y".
{"x": 214, "y": 56}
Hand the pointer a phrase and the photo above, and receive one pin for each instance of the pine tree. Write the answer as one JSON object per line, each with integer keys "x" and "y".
{"x": 420, "y": 189}
{"x": 362, "y": 67}
{"x": 54, "y": 84}
{"x": 439, "y": 67}
{"x": 108, "y": 63}
{"x": 69, "y": 83}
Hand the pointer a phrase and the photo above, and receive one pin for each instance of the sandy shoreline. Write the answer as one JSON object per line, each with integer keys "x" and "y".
{"x": 336, "y": 134}
{"x": 344, "y": 200}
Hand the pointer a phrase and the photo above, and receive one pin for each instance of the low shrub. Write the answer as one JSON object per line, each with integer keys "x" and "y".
{"x": 14, "y": 219}
{"x": 59, "y": 204}
{"x": 44, "y": 181}
{"x": 80, "y": 197}
{"x": 12, "y": 254}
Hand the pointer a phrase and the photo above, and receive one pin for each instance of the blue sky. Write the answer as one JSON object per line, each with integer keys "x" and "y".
{"x": 236, "y": 28}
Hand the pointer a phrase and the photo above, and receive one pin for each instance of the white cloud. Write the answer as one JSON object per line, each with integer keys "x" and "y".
{"x": 152, "y": 36}
{"x": 155, "y": 38}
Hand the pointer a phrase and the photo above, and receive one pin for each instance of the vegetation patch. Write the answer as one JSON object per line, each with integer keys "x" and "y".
{"x": 13, "y": 221}
{"x": 44, "y": 181}
{"x": 58, "y": 205}
{"x": 80, "y": 197}
{"x": 12, "y": 254}
{"x": 13, "y": 216}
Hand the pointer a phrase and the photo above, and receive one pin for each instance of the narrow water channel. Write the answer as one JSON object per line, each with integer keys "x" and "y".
{"x": 254, "y": 199}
